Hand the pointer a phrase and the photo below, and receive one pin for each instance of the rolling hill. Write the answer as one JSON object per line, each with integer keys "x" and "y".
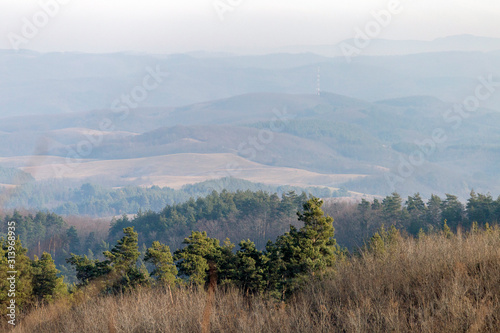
{"x": 300, "y": 139}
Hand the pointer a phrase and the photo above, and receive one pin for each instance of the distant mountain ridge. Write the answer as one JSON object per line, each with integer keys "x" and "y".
{"x": 50, "y": 83}
{"x": 382, "y": 47}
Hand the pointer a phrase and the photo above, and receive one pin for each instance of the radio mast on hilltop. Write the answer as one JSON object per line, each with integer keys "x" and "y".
{"x": 319, "y": 83}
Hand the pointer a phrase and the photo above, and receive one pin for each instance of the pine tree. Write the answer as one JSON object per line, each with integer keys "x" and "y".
{"x": 298, "y": 253}
{"x": 123, "y": 259}
{"x": 364, "y": 209}
{"x": 417, "y": 210}
{"x": 73, "y": 240}
{"x": 393, "y": 238}
{"x": 434, "y": 212}
{"x": 250, "y": 268}
{"x": 90, "y": 241}
{"x": 119, "y": 268}
{"x": 480, "y": 208}
{"x": 194, "y": 260}
{"x": 421, "y": 234}
{"x": 12, "y": 250}
{"x": 46, "y": 284}
{"x": 452, "y": 211}
{"x": 160, "y": 256}
{"x": 316, "y": 237}
{"x": 376, "y": 205}
{"x": 88, "y": 270}
{"x": 126, "y": 252}
{"x": 391, "y": 207}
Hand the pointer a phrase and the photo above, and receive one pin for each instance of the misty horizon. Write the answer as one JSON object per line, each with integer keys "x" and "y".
{"x": 233, "y": 26}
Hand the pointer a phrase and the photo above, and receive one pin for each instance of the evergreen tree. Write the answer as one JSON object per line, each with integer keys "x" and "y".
{"x": 452, "y": 211}
{"x": 415, "y": 203}
{"x": 391, "y": 207}
{"x": 119, "y": 268}
{"x": 126, "y": 252}
{"x": 90, "y": 242}
{"x": 364, "y": 209}
{"x": 377, "y": 245}
{"x": 383, "y": 242}
{"x": 201, "y": 251}
{"x": 88, "y": 270}
{"x": 434, "y": 212}
{"x": 446, "y": 230}
{"x": 73, "y": 240}
{"x": 480, "y": 208}
{"x": 298, "y": 253}
{"x": 160, "y": 256}
{"x": 250, "y": 272}
{"x": 123, "y": 260}
{"x": 376, "y": 205}
{"x": 417, "y": 211}
{"x": 46, "y": 284}
{"x": 13, "y": 258}
{"x": 316, "y": 237}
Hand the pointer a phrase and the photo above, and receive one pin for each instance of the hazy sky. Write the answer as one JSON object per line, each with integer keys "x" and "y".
{"x": 166, "y": 26}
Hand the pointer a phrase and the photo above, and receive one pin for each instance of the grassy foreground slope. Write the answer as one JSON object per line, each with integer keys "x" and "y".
{"x": 437, "y": 283}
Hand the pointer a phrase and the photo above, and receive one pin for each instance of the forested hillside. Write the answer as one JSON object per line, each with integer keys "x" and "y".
{"x": 301, "y": 275}
{"x": 97, "y": 200}
{"x": 259, "y": 216}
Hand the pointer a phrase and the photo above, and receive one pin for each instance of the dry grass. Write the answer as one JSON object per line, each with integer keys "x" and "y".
{"x": 433, "y": 284}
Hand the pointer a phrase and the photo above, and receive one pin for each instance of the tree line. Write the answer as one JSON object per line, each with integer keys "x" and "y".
{"x": 355, "y": 222}
{"x": 278, "y": 270}
{"x": 97, "y": 200}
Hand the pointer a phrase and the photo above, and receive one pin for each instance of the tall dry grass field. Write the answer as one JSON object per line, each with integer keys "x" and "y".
{"x": 433, "y": 284}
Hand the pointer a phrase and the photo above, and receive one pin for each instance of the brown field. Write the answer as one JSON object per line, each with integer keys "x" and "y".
{"x": 173, "y": 170}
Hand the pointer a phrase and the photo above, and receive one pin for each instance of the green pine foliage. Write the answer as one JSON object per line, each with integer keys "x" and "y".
{"x": 12, "y": 248}
{"x": 264, "y": 216}
{"x": 199, "y": 253}
{"x": 46, "y": 284}
{"x": 123, "y": 261}
{"x": 301, "y": 252}
{"x": 308, "y": 250}
{"x": 88, "y": 270}
{"x": 33, "y": 229}
{"x": 383, "y": 242}
{"x": 73, "y": 240}
{"x": 250, "y": 273}
{"x": 97, "y": 200}
{"x": 165, "y": 271}
{"x": 119, "y": 271}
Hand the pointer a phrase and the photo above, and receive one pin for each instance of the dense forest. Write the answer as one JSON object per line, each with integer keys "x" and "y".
{"x": 262, "y": 216}
{"x": 278, "y": 270}
{"x": 306, "y": 258}
{"x": 91, "y": 199}
{"x": 259, "y": 216}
